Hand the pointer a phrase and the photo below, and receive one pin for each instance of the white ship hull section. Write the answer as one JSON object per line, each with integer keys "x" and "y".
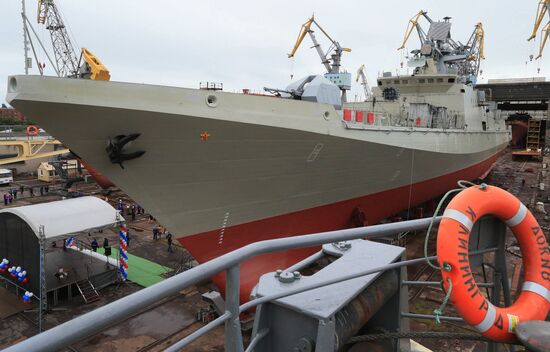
{"x": 264, "y": 156}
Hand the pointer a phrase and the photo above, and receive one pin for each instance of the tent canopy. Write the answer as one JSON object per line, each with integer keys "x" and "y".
{"x": 69, "y": 216}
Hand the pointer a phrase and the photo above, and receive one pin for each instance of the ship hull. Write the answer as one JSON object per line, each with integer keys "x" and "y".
{"x": 245, "y": 168}
{"x": 378, "y": 206}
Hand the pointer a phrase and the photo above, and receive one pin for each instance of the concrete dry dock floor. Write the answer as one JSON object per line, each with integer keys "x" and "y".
{"x": 167, "y": 322}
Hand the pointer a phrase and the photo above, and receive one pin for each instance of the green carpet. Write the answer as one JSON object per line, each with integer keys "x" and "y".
{"x": 142, "y": 271}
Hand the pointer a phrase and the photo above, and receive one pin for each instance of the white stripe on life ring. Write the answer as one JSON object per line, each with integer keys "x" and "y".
{"x": 536, "y": 288}
{"x": 460, "y": 217}
{"x": 518, "y": 218}
{"x": 488, "y": 320}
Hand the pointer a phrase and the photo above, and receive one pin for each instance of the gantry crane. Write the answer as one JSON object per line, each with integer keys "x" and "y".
{"x": 439, "y": 53}
{"x": 543, "y": 9}
{"x": 332, "y": 64}
{"x": 68, "y": 62}
{"x": 361, "y": 75}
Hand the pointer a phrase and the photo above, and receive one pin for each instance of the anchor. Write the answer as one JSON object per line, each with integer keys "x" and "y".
{"x": 116, "y": 147}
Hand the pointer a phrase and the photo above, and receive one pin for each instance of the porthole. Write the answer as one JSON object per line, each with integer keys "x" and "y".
{"x": 13, "y": 84}
{"x": 212, "y": 101}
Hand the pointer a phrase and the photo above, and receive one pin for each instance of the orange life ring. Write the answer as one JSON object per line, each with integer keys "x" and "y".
{"x": 32, "y": 130}
{"x": 495, "y": 323}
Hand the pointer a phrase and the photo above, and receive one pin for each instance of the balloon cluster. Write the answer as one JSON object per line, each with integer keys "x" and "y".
{"x": 19, "y": 274}
{"x": 13, "y": 271}
{"x": 27, "y": 297}
{"x": 4, "y": 265}
{"x": 22, "y": 276}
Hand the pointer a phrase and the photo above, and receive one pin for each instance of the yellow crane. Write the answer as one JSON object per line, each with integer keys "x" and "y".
{"x": 333, "y": 64}
{"x": 477, "y": 43}
{"x": 542, "y": 10}
{"x": 413, "y": 24}
{"x": 68, "y": 62}
{"x": 28, "y": 149}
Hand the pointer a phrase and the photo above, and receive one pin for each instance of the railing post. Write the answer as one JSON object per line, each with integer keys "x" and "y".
{"x": 233, "y": 335}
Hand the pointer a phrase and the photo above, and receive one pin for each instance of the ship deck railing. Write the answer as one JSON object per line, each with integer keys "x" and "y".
{"x": 98, "y": 320}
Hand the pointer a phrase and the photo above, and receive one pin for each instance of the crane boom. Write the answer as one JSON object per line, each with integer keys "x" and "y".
{"x": 413, "y": 23}
{"x": 306, "y": 29}
{"x": 361, "y": 75}
{"x": 477, "y": 43}
{"x": 68, "y": 61}
{"x": 542, "y": 10}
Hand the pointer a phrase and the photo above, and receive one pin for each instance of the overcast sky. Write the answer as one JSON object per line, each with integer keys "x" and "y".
{"x": 244, "y": 43}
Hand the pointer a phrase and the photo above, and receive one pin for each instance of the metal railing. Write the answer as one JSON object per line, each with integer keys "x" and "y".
{"x": 98, "y": 320}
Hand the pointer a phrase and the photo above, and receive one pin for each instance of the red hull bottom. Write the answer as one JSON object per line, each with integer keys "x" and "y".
{"x": 378, "y": 206}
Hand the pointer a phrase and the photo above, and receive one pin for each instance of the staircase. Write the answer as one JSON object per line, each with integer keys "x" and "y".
{"x": 87, "y": 290}
{"x": 533, "y": 135}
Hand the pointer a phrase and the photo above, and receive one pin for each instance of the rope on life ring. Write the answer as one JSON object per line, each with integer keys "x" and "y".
{"x": 495, "y": 323}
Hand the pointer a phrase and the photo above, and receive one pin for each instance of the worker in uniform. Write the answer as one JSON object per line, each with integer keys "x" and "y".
{"x": 155, "y": 232}
{"x": 169, "y": 240}
{"x": 94, "y": 245}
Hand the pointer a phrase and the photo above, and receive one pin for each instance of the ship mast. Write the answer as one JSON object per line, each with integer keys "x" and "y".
{"x": 439, "y": 53}
{"x": 25, "y": 38}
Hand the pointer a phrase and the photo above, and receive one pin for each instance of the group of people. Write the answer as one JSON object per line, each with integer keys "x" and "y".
{"x": 133, "y": 210}
{"x": 106, "y": 247}
{"x": 10, "y": 196}
{"x": 158, "y": 231}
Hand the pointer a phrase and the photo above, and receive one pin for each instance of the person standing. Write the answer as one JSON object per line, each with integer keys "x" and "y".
{"x": 105, "y": 243}
{"x": 133, "y": 210}
{"x": 5, "y": 199}
{"x": 14, "y": 193}
{"x": 155, "y": 232}
{"x": 169, "y": 240}
{"x": 10, "y": 198}
{"x": 21, "y": 190}
{"x": 94, "y": 245}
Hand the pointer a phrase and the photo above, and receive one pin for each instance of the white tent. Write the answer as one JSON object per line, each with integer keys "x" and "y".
{"x": 67, "y": 216}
